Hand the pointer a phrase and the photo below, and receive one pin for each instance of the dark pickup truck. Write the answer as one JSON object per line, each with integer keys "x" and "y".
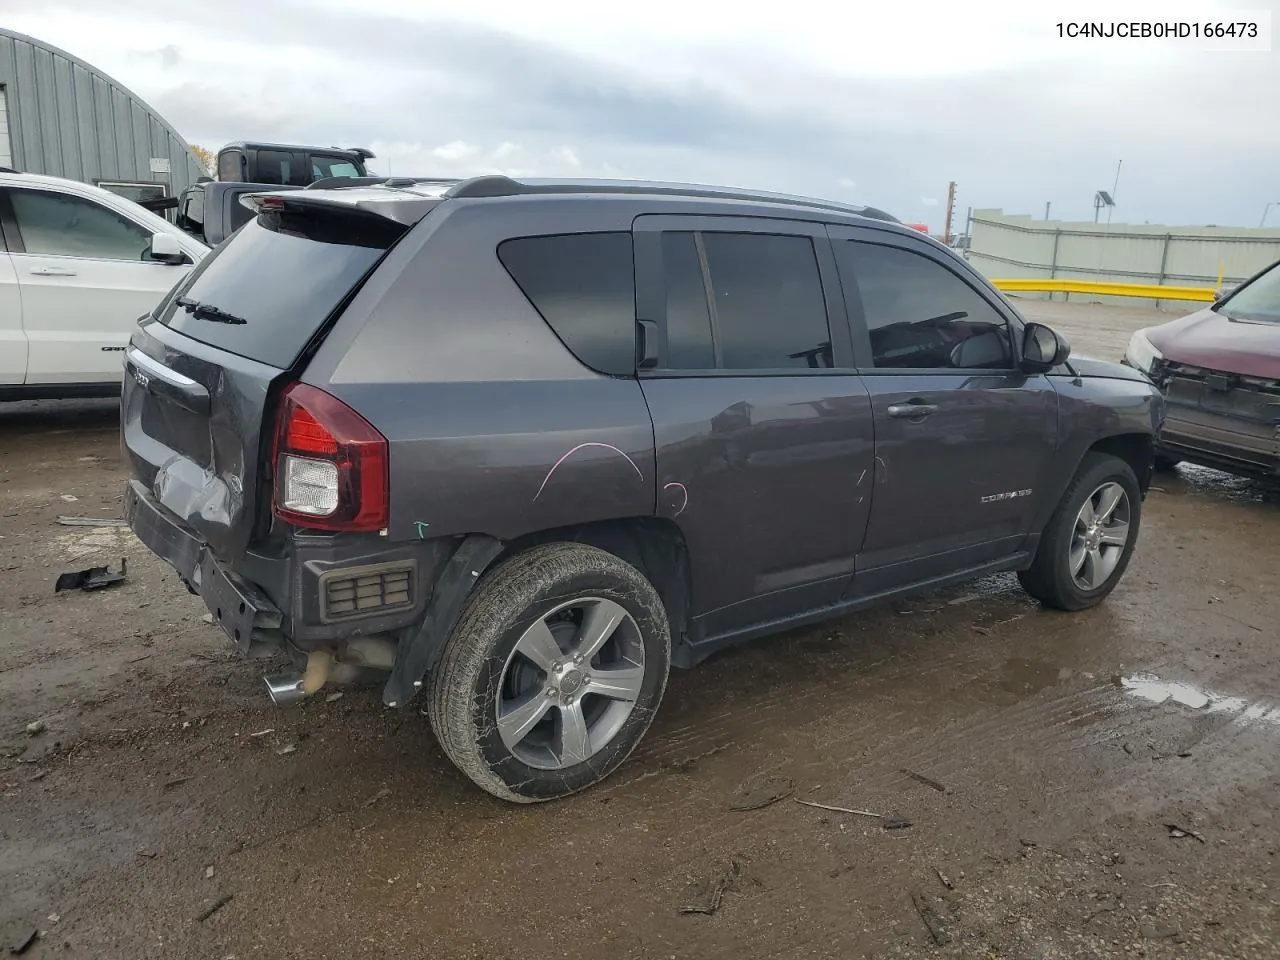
{"x": 290, "y": 165}
{"x": 212, "y": 210}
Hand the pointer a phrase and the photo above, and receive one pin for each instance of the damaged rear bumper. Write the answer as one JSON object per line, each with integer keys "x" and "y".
{"x": 354, "y": 597}
{"x": 239, "y": 608}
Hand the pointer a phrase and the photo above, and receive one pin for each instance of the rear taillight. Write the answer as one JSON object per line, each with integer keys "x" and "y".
{"x": 330, "y": 464}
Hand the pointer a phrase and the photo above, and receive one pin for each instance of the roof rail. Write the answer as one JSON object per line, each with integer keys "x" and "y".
{"x": 496, "y": 185}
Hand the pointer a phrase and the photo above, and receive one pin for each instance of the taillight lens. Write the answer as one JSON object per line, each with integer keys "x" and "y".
{"x": 330, "y": 464}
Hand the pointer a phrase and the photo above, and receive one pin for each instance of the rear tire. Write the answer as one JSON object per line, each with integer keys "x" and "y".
{"x": 553, "y": 674}
{"x": 1080, "y": 559}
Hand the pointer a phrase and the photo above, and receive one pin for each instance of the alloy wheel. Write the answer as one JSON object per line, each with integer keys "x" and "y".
{"x": 570, "y": 683}
{"x": 1100, "y": 536}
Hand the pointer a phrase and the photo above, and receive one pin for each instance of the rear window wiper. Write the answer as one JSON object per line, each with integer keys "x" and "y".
{"x": 203, "y": 311}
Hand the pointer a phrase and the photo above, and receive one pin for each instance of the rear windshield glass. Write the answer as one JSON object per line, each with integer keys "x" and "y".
{"x": 266, "y": 292}
{"x": 1258, "y": 301}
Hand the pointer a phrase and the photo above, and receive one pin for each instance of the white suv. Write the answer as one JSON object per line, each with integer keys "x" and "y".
{"x": 78, "y": 266}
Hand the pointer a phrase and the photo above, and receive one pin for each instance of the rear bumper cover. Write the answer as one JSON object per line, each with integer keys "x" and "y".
{"x": 238, "y": 607}
{"x": 246, "y": 614}
{"x": 309, "y": 591}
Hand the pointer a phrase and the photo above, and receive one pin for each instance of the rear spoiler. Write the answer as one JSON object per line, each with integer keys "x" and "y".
{"x": 403, "y": 206}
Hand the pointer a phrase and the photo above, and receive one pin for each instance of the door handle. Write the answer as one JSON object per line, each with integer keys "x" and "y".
{"x": 52, "y": 272}
{"x": 912, "y": 410}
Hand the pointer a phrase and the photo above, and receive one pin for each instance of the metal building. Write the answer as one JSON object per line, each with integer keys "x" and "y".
{"x": 60, "y": 116}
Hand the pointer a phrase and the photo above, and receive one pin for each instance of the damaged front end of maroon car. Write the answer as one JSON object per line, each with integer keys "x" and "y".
{"x": 1219, "y": 370}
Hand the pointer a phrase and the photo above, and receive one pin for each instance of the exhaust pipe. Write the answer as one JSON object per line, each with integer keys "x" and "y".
{"x": 284, "y": 688}
{"x": 292, "y": 687}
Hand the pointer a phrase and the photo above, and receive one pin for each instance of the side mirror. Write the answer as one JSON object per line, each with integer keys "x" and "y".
{"x": 1042, "y": 348}
{"x": 1222, "y": 294}
{"x": 166, "y": 249}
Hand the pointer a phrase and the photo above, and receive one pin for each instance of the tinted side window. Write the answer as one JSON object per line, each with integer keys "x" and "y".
{"x": 230, "y": 165}
{"x": 60, "y": 225}
{"x": 769, "y": 311}
{"x": 191, "y": 209}
{"x": 584, "y": 286}
{"x": 274, "y": 166}
{"x": 322, "y": 167}
{"x": 919, "y": 314}
{"x": 689, "y": 342}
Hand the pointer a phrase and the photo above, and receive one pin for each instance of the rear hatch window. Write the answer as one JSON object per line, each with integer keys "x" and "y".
{"x": 266, "y": 292}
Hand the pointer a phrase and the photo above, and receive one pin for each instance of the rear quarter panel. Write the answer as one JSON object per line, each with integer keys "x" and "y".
{"x": 494, "y": 426}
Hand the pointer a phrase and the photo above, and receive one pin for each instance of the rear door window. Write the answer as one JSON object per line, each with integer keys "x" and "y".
{"x": 277, "y": 166}
{"x": 323, "y": 167}
{"x": 265, "y": 293}
{"x": 744, "y": 301}
{"x": 768, "y": 308}
{"x": 690, "y": 345}
{"x": 583, "y": 284}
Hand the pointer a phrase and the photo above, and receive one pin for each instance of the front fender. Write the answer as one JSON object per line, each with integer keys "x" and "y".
{"x": 1092, "y": 410}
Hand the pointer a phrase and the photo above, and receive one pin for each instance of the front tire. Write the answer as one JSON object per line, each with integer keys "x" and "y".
{"x": 553, "y": 673}
{"x": 1088, "y": 541}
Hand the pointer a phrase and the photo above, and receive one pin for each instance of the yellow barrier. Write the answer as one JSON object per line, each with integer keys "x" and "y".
{"x": 1150, "y": 291}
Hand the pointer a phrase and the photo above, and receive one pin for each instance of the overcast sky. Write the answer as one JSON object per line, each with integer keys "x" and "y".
{"x": 880, "y": 103}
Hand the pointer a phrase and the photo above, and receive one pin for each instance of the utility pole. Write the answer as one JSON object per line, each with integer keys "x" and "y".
{"x": 951, "y": 209}
{"x": 1114, "y": 187}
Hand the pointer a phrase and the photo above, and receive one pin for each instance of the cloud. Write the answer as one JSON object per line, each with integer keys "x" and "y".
{"x": 1015, "y": 116}
{"x": 168, "y": 55}
{"x": 566, "y": 156}
{"x": 455, "y": 152}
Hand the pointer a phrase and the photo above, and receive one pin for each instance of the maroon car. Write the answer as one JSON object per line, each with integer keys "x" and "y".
{"x": 1219, "y": 369}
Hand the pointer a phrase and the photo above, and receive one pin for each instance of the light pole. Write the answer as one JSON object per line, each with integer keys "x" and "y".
{"x": 1266, "y": 210}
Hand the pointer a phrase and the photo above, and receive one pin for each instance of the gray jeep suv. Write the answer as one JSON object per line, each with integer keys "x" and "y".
{"x": 528, "y": 444}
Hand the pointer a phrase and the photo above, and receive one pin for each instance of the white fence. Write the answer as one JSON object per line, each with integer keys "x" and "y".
{"x": 1008, "y": 246}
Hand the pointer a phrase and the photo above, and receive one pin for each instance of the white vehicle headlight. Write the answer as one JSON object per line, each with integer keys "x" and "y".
{"x": 1140, "y": 354}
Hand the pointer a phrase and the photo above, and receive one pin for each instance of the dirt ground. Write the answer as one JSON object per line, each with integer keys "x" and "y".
{"x": 1101, "y": 784}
